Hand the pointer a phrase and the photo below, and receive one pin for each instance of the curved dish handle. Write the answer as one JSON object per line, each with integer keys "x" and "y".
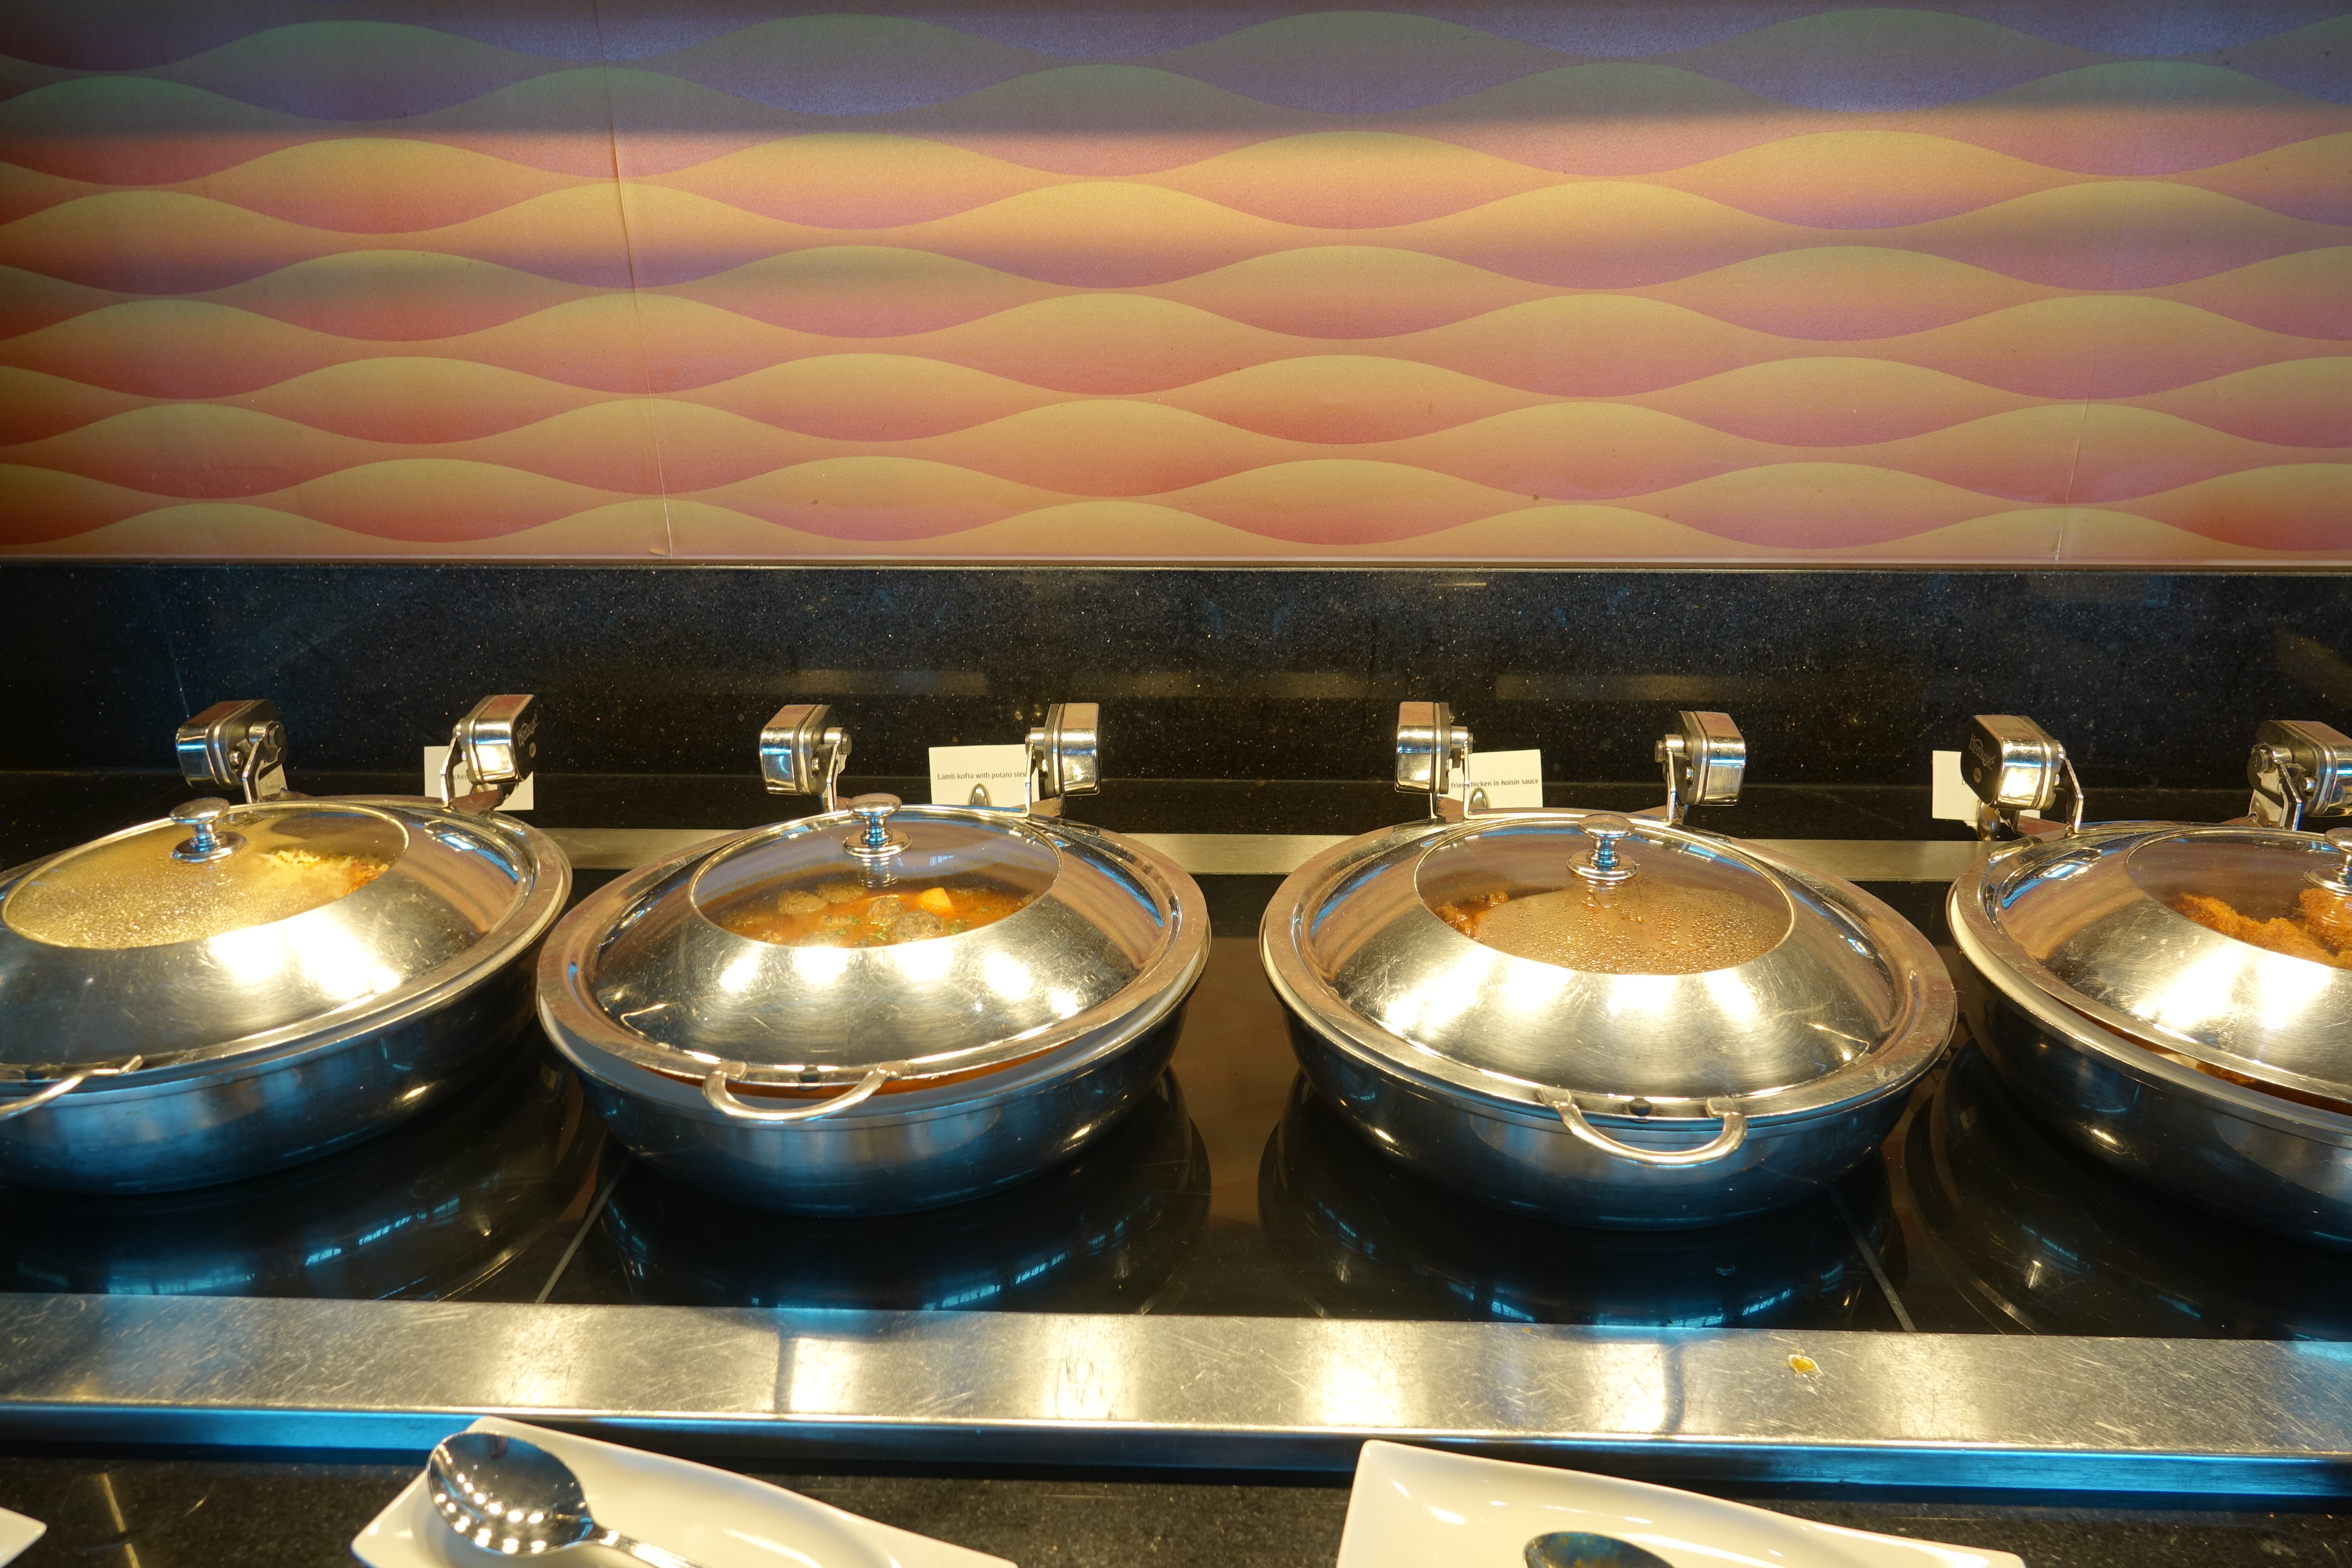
{"x": 1724, "y": 1143}
{"x": 714, "y": 1089}
{"x": 66, "y": 1085}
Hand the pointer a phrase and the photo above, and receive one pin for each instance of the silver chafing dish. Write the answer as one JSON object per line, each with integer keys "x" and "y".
{"x": 1607, "y": 1020}
{"x": 1106, "y": 1230}
{"x": 2034, "y": 1233}
{"x": 882, "y": 1008}
{"x": 246, "y": 986}
{"x": 431, "y": 1209}
{"x": 1363, "y": 1237}
{"x": 2175, "y": 998}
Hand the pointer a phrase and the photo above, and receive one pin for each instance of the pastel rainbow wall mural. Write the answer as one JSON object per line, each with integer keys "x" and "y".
{"x": 2001, "y": 281}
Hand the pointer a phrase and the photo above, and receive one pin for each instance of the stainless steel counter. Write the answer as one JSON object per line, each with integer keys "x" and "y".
{"x": 1966, "y": 1411}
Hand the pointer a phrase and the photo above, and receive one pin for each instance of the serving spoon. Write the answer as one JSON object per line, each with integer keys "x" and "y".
{"x": 1583, "y": 1549}
{"x": 514, "y": 1498}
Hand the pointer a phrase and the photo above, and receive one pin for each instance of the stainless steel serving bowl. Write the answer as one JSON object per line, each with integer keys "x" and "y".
{"x": 1364, "y": 1238}
{"x": 429, "y": 1210}
{"x": 200, "y": 999}
{"x": 859, "y": 1080}
{"x": 1603, "y": 1098}
{"x": 2034, "y": 1232}
{"x": 1105, "y": 1231}
{"x": 2115, "y": 1016}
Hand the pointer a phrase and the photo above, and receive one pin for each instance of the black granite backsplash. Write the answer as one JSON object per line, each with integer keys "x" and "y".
{"x": 2152, "y": 679}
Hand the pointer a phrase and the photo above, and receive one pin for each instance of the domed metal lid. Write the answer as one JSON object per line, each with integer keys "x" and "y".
{"x": 2228, "y": 945}
{"x": 1541, "y": 956}
{"x": 874, "y": 943}
{"x": 235, "y": 930}
{"x": 792, "y": 948}
{"x": 1709, "y": 972}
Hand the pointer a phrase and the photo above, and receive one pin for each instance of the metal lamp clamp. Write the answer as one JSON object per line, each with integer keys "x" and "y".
{"x": 496, "y": 743}
{"x": 2015, "y": 766}
{"x": 236, "y": 744}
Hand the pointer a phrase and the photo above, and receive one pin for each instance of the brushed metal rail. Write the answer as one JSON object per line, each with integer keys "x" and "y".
{"x": 1879, "y": 860}
{"x": 1279, "y": 854}
{"x": 2022, "y": 1414}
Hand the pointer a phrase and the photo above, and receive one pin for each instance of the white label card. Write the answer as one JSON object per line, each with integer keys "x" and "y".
{"x": 524, "y": 796}
{"x": 1512, "y": 779}
{"x": 1950, "y": 799}
{"x": 1001, "y": 770}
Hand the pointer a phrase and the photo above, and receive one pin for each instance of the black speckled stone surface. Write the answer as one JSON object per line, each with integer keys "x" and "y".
{"x": 1844, "y": 677}
{"x": 108, "y": 1511}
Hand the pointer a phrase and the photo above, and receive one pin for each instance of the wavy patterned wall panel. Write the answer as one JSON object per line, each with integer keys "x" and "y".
{"x": 1995, "y": 280}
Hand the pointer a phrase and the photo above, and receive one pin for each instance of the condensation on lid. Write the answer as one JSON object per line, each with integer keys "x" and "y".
{"x": 1677, "y": 909}
{"x": 131, "y": 892}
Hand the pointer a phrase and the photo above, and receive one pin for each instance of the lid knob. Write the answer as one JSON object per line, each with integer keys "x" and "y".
{"x": 875, "y": 841}
{"x": 1602, "y": 867}
{"x": 208, "y": 841}
{"x": 2340, "y": 882}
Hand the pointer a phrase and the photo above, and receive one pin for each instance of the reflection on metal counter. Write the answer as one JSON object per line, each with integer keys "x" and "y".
{"x": 1101, "y": 1234}
{"x": 2055, "y": 1241}
{"x": 431, "y": 1209}
{"x": 1368, "y": 1239}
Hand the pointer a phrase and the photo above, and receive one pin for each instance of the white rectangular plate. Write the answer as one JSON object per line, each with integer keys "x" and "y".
{"x": 712, "y": 1517}
{"x": 17, "y": 1533}
{"x": 1416, "y": 1508}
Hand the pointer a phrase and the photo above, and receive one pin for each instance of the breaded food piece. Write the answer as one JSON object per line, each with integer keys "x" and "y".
{"x": 2286, "y": 936}
{"x": 1461, "y": 919}
{"x": 2214, "y": 914}
{"x": 2327, "y": 916}
{"x": 1467, "y": 914}
{"x": 2276, "y": 935}
{"x": 352, "y": 871}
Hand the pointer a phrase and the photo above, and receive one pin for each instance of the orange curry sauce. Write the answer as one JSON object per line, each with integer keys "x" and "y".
{"x": 843, "y": 914}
